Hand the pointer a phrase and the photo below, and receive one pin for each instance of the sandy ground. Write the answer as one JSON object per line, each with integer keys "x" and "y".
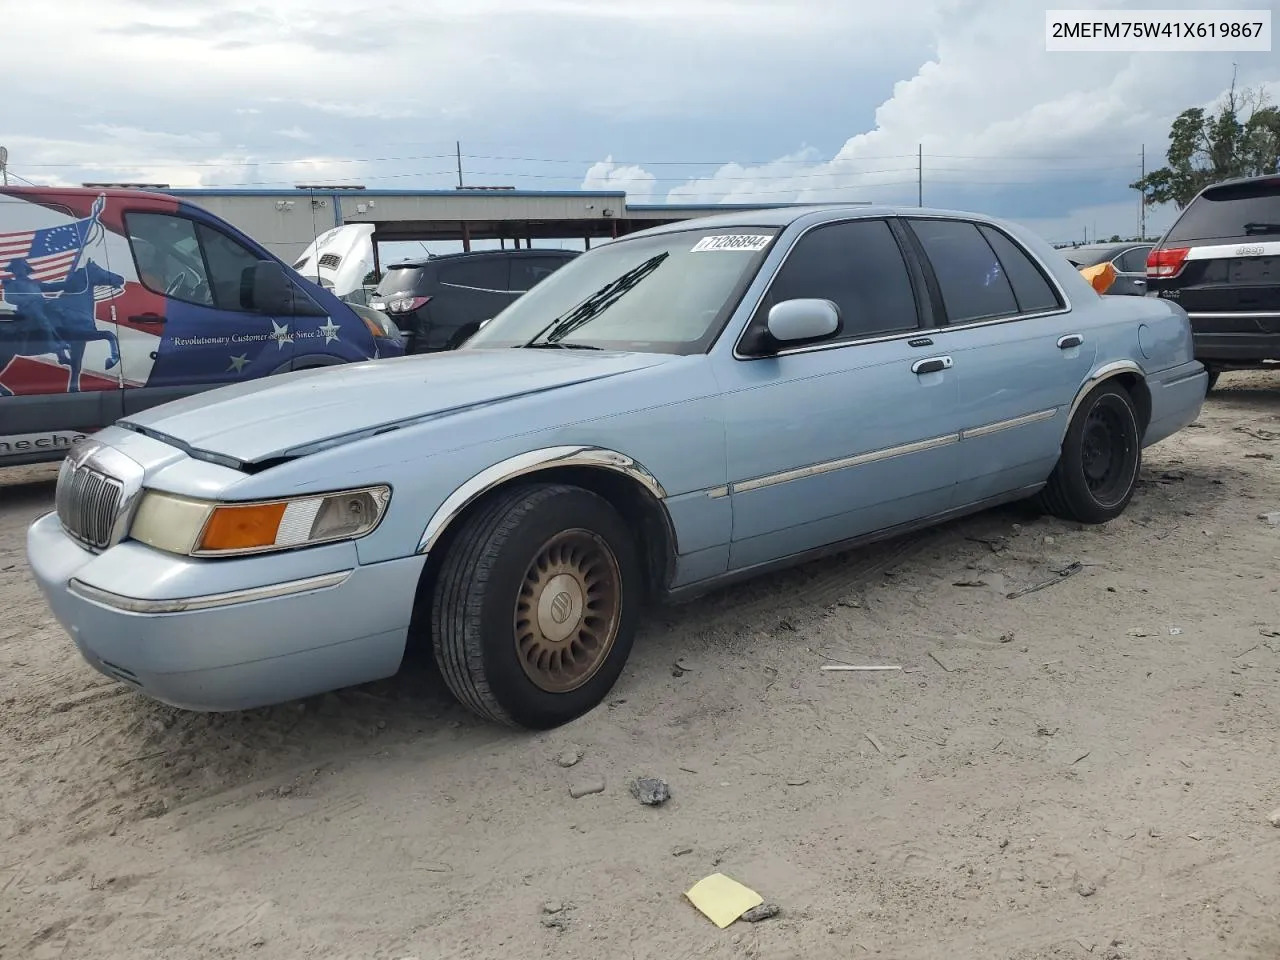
{"x": 1085, "y": 771}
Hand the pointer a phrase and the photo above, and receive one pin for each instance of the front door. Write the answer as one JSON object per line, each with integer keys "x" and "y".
{"x": 193, "y": 274}
{"x": 1019, "y": 354}
{"x": 833, "y": 440}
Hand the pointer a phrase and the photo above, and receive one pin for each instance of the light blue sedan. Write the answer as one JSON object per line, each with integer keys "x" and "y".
{"x": 692, "y": 404}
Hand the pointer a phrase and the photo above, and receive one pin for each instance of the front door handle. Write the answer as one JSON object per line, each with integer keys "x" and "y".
{"x": 1069, "y": 341}
{"x": 147, "y": 318}
{"x": 930, "y": 365}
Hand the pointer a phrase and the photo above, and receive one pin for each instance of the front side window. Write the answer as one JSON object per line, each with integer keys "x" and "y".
{"x": 167, "y": 255}
{"x": 190, "y": 261}
{"x": 859, "y": 267}
{"x": 665, "y": 293}
{"x": 231, "y": 268}
{"x": 972, "y": 280}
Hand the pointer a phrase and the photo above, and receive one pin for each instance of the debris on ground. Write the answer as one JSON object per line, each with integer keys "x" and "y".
{"x": 1069, "y": 570}
{"x": 681, "y": 851}
{"x": 570, "y": 756}
{"x": 874, "y": 742}
{"x": 766, "y": 911}
{"x": 797, "y": 782}
{"x": 851, "y": 668}
{"x": 586, "y": 786}
{"x": 552, "y": 906}
{"x": 681, "y": 667}
{"x": 651, "y": 792}
{"x": 1273, "y": 518}
{"x": 970, "y": 583}
{"x": 1086, "y": 888}
{"x": 722, "y": 900}
{"x": 1274, "y": 817}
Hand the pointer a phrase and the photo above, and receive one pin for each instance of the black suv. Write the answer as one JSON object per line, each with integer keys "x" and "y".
{"x": 1220, "y": 261}
{"x": 438, "y": 302}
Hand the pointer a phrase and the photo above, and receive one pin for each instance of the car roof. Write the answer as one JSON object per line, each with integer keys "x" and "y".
{"x": 1271, "y": 179}
{"x": 782, "y": 217}
{"x": 412, "y": 262}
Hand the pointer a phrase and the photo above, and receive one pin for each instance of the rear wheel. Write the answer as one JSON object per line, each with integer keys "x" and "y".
{"x": 535, "y": 607}
{"x": 1213, "y": 379}
{"x": 1097, "y": 470}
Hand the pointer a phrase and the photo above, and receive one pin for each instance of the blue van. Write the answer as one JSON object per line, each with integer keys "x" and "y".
{"x": 112, "y": 301}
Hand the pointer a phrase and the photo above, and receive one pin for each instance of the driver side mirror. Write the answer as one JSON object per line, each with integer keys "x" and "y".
{"x": 804, "y": 319}
{"x": 268, "y": 289}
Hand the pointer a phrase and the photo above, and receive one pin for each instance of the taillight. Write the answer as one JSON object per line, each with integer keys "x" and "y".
{"x": 406, "y": 304}
{"x": 1166, "y": 263}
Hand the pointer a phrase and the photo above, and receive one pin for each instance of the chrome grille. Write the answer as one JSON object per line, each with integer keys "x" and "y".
{"x": 88, "y": 503}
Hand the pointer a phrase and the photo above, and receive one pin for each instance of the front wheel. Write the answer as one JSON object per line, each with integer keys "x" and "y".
{"x": 535, "y": 607}
{"x": 1097, "y": 471}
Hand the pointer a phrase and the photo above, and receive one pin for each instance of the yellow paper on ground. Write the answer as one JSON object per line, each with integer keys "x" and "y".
{"x": 723, "y": 900}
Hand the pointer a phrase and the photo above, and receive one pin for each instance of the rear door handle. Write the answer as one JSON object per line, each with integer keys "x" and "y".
{"x": 147, "y": 318}
{"x": 930, "y": 365}
{"x": 1069, "y": 341}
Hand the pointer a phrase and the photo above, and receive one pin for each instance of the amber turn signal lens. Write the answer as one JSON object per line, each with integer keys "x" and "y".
{"x": 243, "y": 528}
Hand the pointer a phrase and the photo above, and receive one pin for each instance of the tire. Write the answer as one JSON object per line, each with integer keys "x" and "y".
{"x": 1212, "y": 381}
{"x": 1102, "y": 438}
{"x": 513, "y": 584}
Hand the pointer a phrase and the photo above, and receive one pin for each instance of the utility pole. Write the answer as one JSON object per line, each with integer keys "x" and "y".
{"x": 458, "y": 145}
{"x": 4, "y": 164}
{"x": 920, "y": 175}
{"x": 1142, "y": 199}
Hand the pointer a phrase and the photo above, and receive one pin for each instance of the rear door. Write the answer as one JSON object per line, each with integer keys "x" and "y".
{"x": 55, "y": 289}
{"x": 1220, "y": 262}
{"x": 205, "y": 338}
{"x": 1131, "y": 271}
{"x": 1019, "y": 355}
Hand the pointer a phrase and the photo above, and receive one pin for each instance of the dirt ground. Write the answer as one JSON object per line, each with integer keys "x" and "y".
{"x": 1083, "y": 771}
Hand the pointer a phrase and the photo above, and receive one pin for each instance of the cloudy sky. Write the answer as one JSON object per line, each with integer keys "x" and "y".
{"x": 672, "y": 100}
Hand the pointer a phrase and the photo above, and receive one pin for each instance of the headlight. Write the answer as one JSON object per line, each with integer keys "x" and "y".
{"x": 201, "y": 528}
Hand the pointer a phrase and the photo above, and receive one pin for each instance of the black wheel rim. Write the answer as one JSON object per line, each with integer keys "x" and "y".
{"x": 1109, "y": 450}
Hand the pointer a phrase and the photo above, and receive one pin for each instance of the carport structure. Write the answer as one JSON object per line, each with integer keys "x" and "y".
{"x": 287, "y": 221}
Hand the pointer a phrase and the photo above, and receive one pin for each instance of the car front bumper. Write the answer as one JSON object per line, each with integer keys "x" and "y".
{"x": 171, "y": 628}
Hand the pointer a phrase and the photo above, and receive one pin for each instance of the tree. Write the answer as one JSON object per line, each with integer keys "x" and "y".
{"x": 1207, "y": 148}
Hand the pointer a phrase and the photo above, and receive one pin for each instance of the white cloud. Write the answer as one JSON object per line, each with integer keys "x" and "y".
{"x": 993, "y": 111}
{"x": 638, "y": 184}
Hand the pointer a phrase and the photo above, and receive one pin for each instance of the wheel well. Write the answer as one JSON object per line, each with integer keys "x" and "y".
{"x": 644, "y": 514}
{"x": 1140, "y": 393}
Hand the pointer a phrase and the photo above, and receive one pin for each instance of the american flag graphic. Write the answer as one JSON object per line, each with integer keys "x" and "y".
{"x": 51, "y": 252}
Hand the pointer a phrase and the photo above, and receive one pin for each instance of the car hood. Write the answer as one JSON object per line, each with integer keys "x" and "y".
{"x": 291, "y": 415}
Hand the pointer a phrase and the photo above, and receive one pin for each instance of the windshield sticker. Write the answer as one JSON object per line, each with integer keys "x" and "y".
{"x": 747, "y": 242}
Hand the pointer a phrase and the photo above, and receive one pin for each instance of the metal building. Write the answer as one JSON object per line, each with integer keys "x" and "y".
{"x": 287, "y": 221}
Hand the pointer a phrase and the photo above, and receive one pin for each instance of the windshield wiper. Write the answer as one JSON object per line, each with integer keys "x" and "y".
{"x": 1257, "y": 227}
{"x": 594, "y": 305}
{"x": 557, "y": 345}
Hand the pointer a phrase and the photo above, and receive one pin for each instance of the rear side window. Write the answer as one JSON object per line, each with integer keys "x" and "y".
{"x": 1030, "y": 286}
{"x": 973, "y": 281}
{"x": 483, "y": 275}
{"x": 1235, "y": 212}
{"x": 1133, "y": 261}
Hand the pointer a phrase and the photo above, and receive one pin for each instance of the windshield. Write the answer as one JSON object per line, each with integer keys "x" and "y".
{"x": 668, "y": 293}
{"x": 1232, "y": 212}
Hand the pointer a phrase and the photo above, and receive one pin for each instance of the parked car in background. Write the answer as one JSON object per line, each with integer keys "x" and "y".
{"x": 1129, "y": 260}
{"x": 688, "y": 405}
{"x": 440, "y": 301}
{"x": 119, "y": 300}
{"x": 1220, "y": 261}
